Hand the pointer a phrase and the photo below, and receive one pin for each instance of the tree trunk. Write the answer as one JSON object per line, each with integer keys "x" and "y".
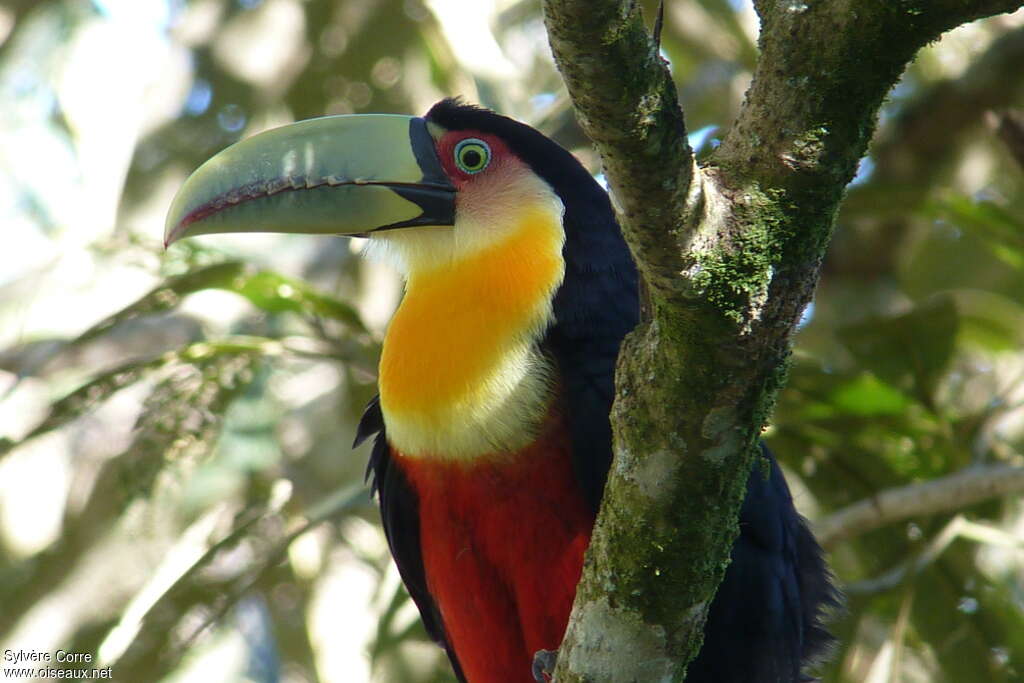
{"x": 729, "y": 253}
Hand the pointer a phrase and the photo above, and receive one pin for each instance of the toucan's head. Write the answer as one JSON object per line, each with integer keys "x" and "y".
{"x": 429, "y": 190}
{"x": 504, "y": 238}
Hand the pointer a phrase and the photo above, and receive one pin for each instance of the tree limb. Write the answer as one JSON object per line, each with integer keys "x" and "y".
{"x": 730, "y": 256}
{"x": 914, "y": 149}
{"x": 926, "y": 133}
{"x": 952, "y": 492}
{"x": 627, "y": 104}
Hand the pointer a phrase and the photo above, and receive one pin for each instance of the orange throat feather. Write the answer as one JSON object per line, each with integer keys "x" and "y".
{"x": 460, "y": 375}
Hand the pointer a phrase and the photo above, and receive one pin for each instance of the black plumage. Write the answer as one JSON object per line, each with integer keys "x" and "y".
{"x": 400, "y": 519}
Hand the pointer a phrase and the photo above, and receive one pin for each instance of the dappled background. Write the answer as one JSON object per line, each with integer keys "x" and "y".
{"x": 177, "y": 491}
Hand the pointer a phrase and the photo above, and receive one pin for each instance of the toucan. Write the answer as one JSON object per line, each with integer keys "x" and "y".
{"x": 492, "y": 440}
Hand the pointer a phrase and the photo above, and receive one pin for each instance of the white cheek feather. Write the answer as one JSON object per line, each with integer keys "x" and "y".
{"x": 483, "y": 212}
{"x": 407, "y": 249}
{"x": 482, "y": 220}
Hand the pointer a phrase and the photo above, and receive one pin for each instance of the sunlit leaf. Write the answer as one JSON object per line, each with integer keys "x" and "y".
{"x": 263, "y": 532}
{"x": 276, "y": 293}
{"x": 866, "y": 396}
{"x": 86, "y": 398}
{"x": 990, "y": 321}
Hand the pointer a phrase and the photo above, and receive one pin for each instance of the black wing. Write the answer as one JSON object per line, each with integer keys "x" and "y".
{"x": 399, "y": 511}
{"x": 765, "y": 620}
{"x": 597, "y": 305}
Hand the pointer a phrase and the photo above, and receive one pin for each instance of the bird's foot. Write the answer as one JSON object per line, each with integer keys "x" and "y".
{"x": 544, "y": 665}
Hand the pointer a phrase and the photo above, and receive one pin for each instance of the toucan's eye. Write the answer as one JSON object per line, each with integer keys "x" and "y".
{"x": 472, "y": 155}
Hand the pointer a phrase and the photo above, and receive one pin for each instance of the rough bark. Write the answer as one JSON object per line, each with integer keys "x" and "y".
{"x": 730, "y": 255}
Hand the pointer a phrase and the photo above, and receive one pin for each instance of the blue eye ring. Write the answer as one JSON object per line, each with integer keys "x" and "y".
{"x": 472, "y": 155}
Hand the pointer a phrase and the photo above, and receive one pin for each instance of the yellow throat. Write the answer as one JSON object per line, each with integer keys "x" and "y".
{"x": 460, "y": 375}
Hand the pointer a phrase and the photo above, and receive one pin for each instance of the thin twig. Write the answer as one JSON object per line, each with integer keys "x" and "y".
{"x": 948, "y": 493}
{"x": 897, "y": 575}
{"x": 899, "y": 635}
{"x": 958, "y": 527}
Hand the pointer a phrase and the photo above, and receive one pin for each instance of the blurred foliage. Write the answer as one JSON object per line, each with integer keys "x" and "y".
{"x": 177, "y": 492}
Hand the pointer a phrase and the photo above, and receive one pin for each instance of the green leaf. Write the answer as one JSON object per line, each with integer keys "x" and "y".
{"x": 909, "y": 351}
{"x": 276, "y": 293}
{"x": 1001, "y": 231}
{"x": 989, "y": 321}
{"x": 868, "y": 396}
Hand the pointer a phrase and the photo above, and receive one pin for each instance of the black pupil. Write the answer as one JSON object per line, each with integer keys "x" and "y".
{"x": 472, "y": 158}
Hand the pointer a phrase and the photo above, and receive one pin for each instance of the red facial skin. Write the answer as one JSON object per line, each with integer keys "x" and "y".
{"x": 490, "y": 196}
{"x": 502, "y": 542}
{"x": 500, "y": 156}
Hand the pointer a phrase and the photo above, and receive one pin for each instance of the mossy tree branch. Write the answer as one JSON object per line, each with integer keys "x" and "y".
{"x": 730, "y": 255}
{"x": 626, "y": 102}
{"x": 913, "y": 150}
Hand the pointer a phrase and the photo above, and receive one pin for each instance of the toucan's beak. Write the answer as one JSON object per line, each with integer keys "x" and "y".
{"x": 338, "y": 175}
